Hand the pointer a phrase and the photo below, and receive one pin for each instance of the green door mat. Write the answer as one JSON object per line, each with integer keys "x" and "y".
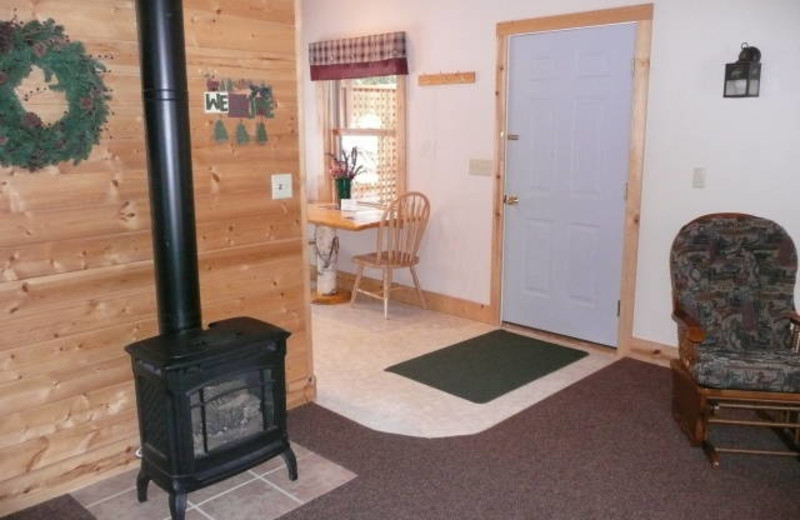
{"x": 488, "y": 366}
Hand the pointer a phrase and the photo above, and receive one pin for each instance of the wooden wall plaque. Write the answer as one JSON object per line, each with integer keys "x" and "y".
{"x": 446, "y": 78}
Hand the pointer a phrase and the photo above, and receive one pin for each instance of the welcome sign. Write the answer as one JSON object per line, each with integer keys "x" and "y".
{"x": 241, "y": 99}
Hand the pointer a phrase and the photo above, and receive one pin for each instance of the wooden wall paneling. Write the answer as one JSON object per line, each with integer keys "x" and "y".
{"x": 65, "y": 476}
{"x": 23, "y": 261}
{"x": 62, "y": 384}
{"x": 27, "y": 227}
{"x": 24, "y": 193}
{"x": 79, "y": 350}
{"x": 82, "y": 317}
{"x": 55, "y": 416}
{"x": 44, "y": 451}
{"x": 84, "y": 21}
{"x": 267, "y": 10}
{"x": 76, "y": 276}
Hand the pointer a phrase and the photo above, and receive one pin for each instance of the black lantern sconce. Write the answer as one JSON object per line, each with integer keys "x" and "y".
{"x": 743, "y": 78}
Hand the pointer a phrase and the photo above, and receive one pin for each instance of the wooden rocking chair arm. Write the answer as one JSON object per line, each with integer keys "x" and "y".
{"x": 694, "y": 332}
{"x": 794, "y": 318}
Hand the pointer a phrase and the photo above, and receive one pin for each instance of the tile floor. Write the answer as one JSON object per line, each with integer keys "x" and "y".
{"x": 265, "y": 492}
{"x": 354, "y": 345}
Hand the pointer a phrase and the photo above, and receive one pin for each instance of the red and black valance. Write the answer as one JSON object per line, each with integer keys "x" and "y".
{"x": 365, "y": 56}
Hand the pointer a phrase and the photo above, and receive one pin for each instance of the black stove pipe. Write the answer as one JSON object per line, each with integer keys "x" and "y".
{"x": 166, "y": 112}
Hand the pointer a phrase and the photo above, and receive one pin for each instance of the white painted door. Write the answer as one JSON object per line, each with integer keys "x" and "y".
{"x": 569, "y": 112}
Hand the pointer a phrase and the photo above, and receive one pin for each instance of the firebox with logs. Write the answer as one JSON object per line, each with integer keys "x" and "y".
{"x": 211, "y": 402}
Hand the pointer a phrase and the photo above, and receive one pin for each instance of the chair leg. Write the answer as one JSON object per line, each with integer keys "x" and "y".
{"x": 689, "y": 408}
{"x": 387, "y": 289}
{"x": 417, "y": 286}
{"x": 356, "y": 284}
{"x": 711, "y": 453}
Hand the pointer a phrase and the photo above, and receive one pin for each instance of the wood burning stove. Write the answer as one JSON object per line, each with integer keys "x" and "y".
{"x": 211, "y": 402}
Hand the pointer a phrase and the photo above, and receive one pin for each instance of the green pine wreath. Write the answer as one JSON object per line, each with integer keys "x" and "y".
{"x": 24, "y": 140}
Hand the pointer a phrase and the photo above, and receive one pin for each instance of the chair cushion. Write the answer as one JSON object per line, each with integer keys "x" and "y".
{"x": 735, "y": 274}
{"x": 759, "y": 370}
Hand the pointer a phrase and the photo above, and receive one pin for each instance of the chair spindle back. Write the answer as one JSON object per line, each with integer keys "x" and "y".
{"x": 401, "y": 228}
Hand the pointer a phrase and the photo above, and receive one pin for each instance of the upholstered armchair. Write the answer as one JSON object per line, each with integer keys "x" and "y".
{"x": 733, "y": 280}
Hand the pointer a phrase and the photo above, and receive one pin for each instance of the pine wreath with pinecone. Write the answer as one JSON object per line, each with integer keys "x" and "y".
{"x": 26, "y": 141}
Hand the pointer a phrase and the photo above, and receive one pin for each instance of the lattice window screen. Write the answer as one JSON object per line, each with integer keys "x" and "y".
{"x": 371, "y": 123}
{"x": 370, "y": 103}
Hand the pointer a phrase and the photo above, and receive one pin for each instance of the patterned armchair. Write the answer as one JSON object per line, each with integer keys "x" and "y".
{"x": 733, "y": 280}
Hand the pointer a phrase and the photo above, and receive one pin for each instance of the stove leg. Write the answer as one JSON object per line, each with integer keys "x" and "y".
{"x": 291, "y": 463}
{"x": 141, "y": 485}
{"x": 177, "y": 505}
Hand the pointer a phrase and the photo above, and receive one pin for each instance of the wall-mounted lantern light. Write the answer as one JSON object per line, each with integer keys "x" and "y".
{"x": 743, "y": 78}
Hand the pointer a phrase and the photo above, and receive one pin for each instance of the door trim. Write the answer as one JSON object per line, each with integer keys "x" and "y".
{"x": 642, "y": 15}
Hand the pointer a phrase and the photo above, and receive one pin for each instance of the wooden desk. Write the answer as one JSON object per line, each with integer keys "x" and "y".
{"x": 327, "y": 214}
{"x": 328, "y": 218}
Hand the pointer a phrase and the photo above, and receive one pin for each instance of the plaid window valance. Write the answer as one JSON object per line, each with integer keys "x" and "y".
{"x": 374, "y": 55}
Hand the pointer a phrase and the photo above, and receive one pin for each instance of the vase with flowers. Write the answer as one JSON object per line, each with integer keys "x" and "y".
{"x": 343, "y": 170}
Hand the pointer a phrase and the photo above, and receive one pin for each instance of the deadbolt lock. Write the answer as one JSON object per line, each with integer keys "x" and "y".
{"x": 513, "y": 137}
{"x": 510, "y": 200}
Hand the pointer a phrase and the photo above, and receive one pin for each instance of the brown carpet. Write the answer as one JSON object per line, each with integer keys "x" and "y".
{"x": 61, "y": 508}
{"x": 604, "y": 448}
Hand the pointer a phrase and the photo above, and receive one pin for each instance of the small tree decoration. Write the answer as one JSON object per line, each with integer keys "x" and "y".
{"x": 242, "y": 137}
{"x": 220, "y": 132}
{"x": 344, "y": 169}
{"x": 261, "y": 133}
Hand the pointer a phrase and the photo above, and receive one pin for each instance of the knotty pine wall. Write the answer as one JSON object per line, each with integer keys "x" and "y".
{"x": 76, "y": 276}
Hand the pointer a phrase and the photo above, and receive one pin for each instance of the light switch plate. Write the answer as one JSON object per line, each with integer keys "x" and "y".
{"x": 481, "y": 167}
{"x": 282, "y": 186}
{"x": 699, "y": 178}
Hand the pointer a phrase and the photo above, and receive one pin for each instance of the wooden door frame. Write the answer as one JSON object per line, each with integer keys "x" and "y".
{"x": 642, "y": 16}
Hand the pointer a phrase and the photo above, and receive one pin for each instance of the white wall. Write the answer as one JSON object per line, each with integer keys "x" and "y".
{"x": 750, "y": 147}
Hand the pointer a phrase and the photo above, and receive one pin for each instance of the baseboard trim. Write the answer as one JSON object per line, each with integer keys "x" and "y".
{"x": 638, "y": 348}
{"x": 652, "y": 351}
{"x": 435, "y": 301}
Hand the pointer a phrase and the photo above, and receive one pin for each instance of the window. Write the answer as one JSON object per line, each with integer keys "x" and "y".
{"x": 370, "y": 113}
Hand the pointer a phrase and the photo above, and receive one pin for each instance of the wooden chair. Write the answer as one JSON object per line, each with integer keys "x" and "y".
{"x": 399, "y": 237}
{"x": 733, "y": 279}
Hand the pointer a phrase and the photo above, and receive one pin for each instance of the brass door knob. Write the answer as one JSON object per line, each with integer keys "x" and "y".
{"x": 510, "y": 200}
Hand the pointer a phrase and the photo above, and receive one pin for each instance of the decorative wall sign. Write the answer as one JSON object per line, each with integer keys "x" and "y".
{"x": 446, "y": 78}
{"x": 25, "y": 140}
{"x": 239, "y": 99}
